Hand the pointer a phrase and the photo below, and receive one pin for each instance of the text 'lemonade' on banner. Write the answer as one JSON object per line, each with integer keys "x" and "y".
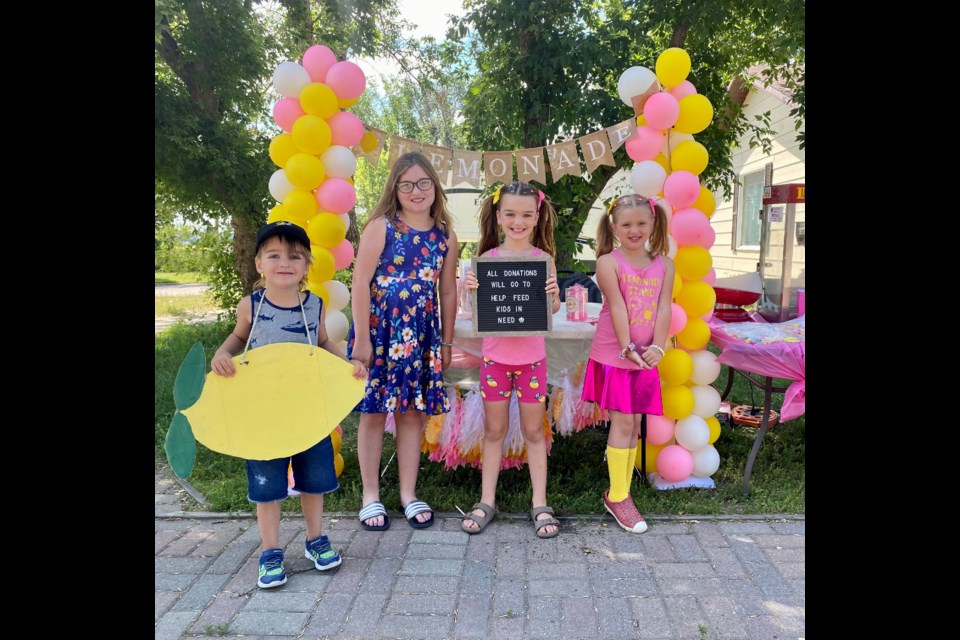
{"x": 399, "y": 146}
{"x": 498, "y": 166}
{"x": 511, "y": 299}
{"x": 466, "y": 167}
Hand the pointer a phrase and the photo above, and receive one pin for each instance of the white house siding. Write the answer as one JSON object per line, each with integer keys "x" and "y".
{"x": 788, "y": 166}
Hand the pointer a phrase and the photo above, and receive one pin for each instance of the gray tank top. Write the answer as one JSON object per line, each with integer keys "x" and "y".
{"x": 283, "y": 324}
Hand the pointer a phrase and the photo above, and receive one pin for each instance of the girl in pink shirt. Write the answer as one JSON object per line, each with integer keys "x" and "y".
{"x": 515, "y": 364}
{"x": 621, "y": 374}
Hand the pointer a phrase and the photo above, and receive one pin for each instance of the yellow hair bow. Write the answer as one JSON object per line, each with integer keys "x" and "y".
{"x": 610, "y": 206}
{"x": 496, "y": 194}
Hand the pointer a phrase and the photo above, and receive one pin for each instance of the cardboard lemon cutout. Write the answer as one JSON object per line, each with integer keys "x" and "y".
{"x": 285, "y": 398}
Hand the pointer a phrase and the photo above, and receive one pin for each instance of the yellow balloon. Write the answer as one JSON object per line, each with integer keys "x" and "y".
{"x": 675, "y": 367}
{"x": 368, "y": 142}
{"x": 677, "y": 287}
{"x": 663, "y": 162}
{"x": 322, "y": 268}
{"x": 690, "y": 156}
{"x": 281, "y": 148}
{"x": 305, "y": 171}
{"x": 693, "y": 262}
{"x": 714, "y": 425}
{"x": 673, "y": 66}
{"x": 706, "y": 202}
{"x": 695, "y": 335}
{"x": 344, "y": 103}
{"x": 336, "y": 440}
{"x": 318, "y": 99}
{"x": 653, "y": 450}
{"x": 295, "y": 217}
{"x": 641, "y": 121}
{"x": 302, "y": 204}
{"x": 697, "y": 299}
{"x": 338, "y": 464}
{"x": 311, "y": 134}
{"x": 696, "y": 112}
{"x": 677, "y": 401}
{"x": 326, "y": 230}
{"x": 319, "y": 290}
{"x": 277, "y": 213}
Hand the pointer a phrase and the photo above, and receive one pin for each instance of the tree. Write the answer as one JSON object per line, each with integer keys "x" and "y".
{"x": 548, "y": 72}
{"x": 213, "y": 69}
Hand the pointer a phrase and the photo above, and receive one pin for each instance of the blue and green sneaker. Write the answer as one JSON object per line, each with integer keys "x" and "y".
{"x": 323, "y": 555}
{"x": 271, "y": 572}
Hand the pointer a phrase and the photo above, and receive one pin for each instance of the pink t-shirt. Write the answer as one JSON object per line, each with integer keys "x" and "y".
{"x": 640, "y": 289}
{"x": 518, "y": 350}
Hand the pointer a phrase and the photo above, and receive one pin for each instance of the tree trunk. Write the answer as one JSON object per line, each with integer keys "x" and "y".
{"x": 353, "y": 231}
{"x": 244, "y": 238}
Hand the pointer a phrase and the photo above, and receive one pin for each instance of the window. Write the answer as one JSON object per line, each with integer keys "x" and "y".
{"x": 751, "y": 202}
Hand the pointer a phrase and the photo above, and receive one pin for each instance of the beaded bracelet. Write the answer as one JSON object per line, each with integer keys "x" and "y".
{"x": 623, "y": 352}
{"x": 658, "y": 348}
{"x": 446, "y": 344}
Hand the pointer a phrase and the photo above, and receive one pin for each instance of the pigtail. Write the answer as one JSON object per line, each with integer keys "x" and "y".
{"x": 489, "y": 230}
{"x": 659, "y": 243}
{"x": 605, "y": 234}
{"x": 543, "y": 236}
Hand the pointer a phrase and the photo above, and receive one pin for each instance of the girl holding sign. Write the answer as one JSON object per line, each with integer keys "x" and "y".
{"x": 621, "y": 374}
{"x": 515, "y": 364}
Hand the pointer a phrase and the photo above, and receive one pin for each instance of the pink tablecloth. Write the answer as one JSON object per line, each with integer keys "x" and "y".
{"x": 775, "y": 349}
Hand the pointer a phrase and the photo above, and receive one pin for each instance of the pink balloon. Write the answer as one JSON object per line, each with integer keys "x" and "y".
{"x": 659, "y": 429}
{"x": 661, "y": 110}
{"x": 645, "y": 144}
{"x": 346, "y": 79}
{"x": 681, "y": 189}
{"x": 342, "y": 255}
{"x": 708, "y": 237}
{"x": 674, "y": 463}
{"x": 285, "y": 113}
{"x": 346, "y": 129}
{"x": 678, "y": 319}
{"x": 336, "y": 195}
{"x": 688, "y": 225}
{"x": 708, "y": 317}
{"x": 683, "y": 90}
{"x": 317, "y": 60}
{"x": 711, "y": 277}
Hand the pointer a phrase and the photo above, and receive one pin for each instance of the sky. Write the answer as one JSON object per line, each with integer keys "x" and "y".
{"x": 429, "y": 18}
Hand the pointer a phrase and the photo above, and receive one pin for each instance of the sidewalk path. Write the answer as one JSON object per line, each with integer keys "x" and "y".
{"x": 684, "y": 578}
{"x": 162, "y": 323}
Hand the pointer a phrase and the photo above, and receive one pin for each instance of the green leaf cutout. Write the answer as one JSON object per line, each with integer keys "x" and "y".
{"x": 189, "y": 383}
{"x": 181, "y": 445}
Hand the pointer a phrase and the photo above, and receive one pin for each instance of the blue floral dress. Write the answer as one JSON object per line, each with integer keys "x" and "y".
{"x": 405, "y": 324}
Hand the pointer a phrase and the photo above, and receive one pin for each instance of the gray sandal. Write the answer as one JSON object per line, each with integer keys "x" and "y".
{"x": 543, "y": 522}
{"x": 481, "y": 521}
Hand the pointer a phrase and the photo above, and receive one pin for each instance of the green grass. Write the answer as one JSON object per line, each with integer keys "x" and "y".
{"x": 169, "y": 277}
{"x": 577, "y": 471}
{"x": 183, "y": 305}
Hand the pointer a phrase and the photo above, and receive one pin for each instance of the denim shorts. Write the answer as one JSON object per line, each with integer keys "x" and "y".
{"x": 313, "y": 472}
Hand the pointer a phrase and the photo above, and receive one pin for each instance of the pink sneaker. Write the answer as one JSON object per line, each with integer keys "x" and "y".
{"x": 625, "y": 513}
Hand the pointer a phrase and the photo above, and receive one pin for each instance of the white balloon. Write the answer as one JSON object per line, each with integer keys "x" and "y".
{"x": 706, "y": 400}
{"x": 339, "y": 162}
{"x": 339, "y": 294}
{"x": 342, "y": 345}
{"x": 280, "y": 185}
{"x": 647, "y": 178}
{"x": 345, "y": 217}
{"x": 290, "y": 78}
{"x": 706, "y": 461}
{"x": 634, "y": 82}
{"x": 692, "y": 433}
{"x": 337, "y": 325}
{"x": 671, "y": 248}
{"x": 706, "y": 369}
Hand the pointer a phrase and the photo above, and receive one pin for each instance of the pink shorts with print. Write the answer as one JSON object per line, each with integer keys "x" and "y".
{"x": 498, "y": 380}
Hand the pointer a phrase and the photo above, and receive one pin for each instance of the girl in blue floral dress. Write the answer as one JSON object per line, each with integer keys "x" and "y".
{"x": 402, "y": 258}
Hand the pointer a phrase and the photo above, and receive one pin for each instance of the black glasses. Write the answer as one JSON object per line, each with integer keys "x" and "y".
{"x": 424, "y": 184}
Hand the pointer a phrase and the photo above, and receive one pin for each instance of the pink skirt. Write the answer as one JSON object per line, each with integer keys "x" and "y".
{"x": 623, "y": 390}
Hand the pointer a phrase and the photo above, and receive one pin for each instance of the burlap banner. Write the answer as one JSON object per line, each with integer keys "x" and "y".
{"x": 596, "y": 150}
{"x": 399, "y": 146}
{"x": 466, "y": 167}
{"x": 439, "y": 157}
{"x": 498, "y": 166}
{"x": 530, "y": 165}
{"x": 564, "y": 160}
{"x": 620, "y": 132}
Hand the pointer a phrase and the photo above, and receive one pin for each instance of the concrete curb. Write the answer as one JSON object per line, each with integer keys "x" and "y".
{"x": 517, "y": 517}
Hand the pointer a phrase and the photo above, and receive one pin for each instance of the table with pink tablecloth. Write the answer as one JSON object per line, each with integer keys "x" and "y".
{"x": 761, "y": 352}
